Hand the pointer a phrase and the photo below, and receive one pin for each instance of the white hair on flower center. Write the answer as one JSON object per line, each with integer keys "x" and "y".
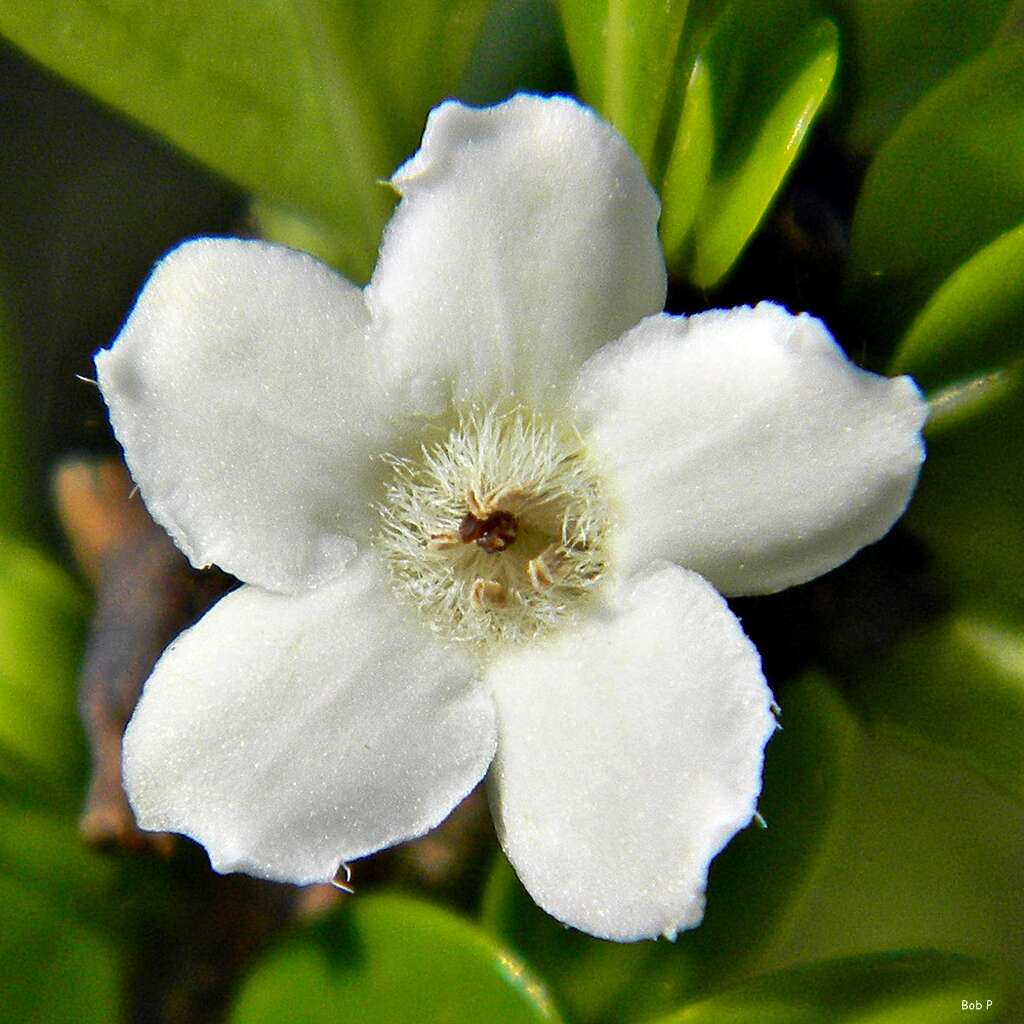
{"x": 498, "y": 532}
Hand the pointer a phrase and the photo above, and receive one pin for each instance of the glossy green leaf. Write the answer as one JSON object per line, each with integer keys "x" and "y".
{"x": 754, "y": 884}
{"x": 53, "y": 969}
{"x": 974, "y": 323}
{"x": 968, "y": 503}
{"x": 757, "y": 159}
{"x": 41, "y": 627}
{"x": 958, "y": 687}
{"x": 689, "y": 165}
{"x": 895, "y": 52}
{"x": 897, "y": 988}
{"x": 305, "y": 103}
{"x": 584, "y": 24}
{"x": 624, "y": 52}
{"x": 947, "y": 182}
{"x": 391, "y": 960}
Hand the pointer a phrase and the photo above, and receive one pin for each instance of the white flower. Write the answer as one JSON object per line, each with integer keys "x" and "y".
{"x": 484, "y": 509}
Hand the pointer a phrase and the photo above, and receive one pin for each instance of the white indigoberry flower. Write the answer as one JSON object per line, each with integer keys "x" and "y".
{"x": 484, "y": 509}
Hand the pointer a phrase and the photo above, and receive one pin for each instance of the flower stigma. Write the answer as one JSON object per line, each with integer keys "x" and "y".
{"x": 497, "y": 533}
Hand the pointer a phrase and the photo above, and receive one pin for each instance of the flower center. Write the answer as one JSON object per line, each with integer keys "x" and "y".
{"x": 498, "y": 532}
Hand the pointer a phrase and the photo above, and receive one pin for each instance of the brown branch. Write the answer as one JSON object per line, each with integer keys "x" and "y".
{"x": 146, "y": 593}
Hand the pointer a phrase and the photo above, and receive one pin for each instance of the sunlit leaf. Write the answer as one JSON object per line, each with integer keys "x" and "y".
{"x": 957, "y": 686}
{"x": 305, "y": 103}
{"x": 584, "y": 22}
{"x": 754, "y": 884}
{"x": 897, "y": 988}
{"x": 758, "y": 156}
{"x": 391, "y": 960}
{"x": 947, "y": 182}
{"x": 689, "y": 165}
{"x": 624, "y": 53}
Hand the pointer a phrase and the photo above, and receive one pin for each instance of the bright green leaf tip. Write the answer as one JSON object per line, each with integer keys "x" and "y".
{"x": 739, "y": 196}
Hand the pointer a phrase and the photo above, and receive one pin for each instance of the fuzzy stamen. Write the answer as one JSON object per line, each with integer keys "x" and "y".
{"x": 498, "y": 532}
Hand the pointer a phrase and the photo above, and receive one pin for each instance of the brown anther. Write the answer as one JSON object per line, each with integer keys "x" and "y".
{"x": 507, "y": 498}
{"x": 488, "y": 594}
{"x": 547, "y": 568}
{"x": 493, "y": 534}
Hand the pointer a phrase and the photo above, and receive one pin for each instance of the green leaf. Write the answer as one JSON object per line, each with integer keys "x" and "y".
{"x": 948, "y": 181}
{"x": 305, "y": 103}
{"x": 689, "y": 165}
{"x": 41, "y": 627}
{"x": 890, "y": 988}
{"x": 974, "y": 322}
{"x": 754, "y": 884}
{"x": 958, "y": 687}
{"x": 584, "y": 22}
{"x": 52, "y": 968}
{"x": 756, "y": 159}
{"x": 414, "y": 53}
{"x": 895, "y": 52}
{"x": 389, "y": 960}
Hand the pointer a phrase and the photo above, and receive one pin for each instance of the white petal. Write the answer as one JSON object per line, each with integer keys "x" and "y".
{"x": 288, "y": 734}
{"x": 526, "y": 238}
{"x": 239, "y": 391}
{"x": 745, "y": 446}
{"x": 629, "y": 753}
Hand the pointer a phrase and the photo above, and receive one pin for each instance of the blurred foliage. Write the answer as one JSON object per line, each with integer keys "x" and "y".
{"x": 42, "y": 619}
{"x": 58, "y": 962}
{"x": 893, "y": 794}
